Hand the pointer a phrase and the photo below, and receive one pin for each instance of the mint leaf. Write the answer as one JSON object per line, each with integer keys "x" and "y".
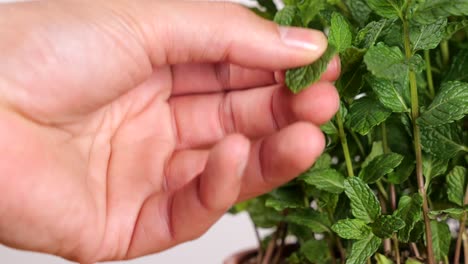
{"x": 455, "y": 213}
{"x": 392, "y": 94}
{"x": 323, "y": 162}
{"x": 359, "y": 10}
{"x": 457, "y": 71}
{"x": 409, "y": 210}
{"x": 386, "y": 8}
{"x": 381, "y": 259}
{"x": 315, "y": 251}
{"x": 380, "y": 166}
{"x": 285, "y": 197}
{"x": 340, "y": 33}
{"x": 454, "y": 27}
{"x": 433, "y": 167}
{"x": 315, "y": 221}
{"x": 456, "y": 181}
{"x": 430, "y": 10}
{"x": 351, "y": 229}
{"x": 363, "y": 249}
{"x": 402, "y": 173}
{"x": 365, "y": 114}
{"x": 367, "y": 36}
{"x": 386, "y": 225}
{"x": 288, "y": 16}
{"x": 450, "y": 104}
{"x": 300, "y": 78}
{"x": 364, "y": 203}
{"x": 443, "y": 141}
{"x": 329, "y": 180}
{"x": 377, "y": 150}
{"x": 262, "y": 215}
{"x": 426, "y": 37}
{"x": 386, "y": 62}
{"x": 440, "y": 239}
{"x": 413, "y": 261}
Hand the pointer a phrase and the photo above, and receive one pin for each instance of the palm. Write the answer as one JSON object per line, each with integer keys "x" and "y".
{"x": 122, "y": 158}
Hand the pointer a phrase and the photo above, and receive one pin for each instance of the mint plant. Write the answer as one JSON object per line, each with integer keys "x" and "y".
{"x": 394, "y": 172}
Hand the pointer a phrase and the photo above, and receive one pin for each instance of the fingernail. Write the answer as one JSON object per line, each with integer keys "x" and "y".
{"x": 303, "y": 38}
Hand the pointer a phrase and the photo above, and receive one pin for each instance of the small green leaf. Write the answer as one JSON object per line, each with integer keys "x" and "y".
{"x": 351, "y": 229}
{"x": 456, "y": 181}
{"x": 315, "y": 251}
{"x": 426, "y": 37}
{"x": 340, "y": 33}
{"x": 454, "y": 27}
{"x": 391, "y": 93}
{"x": 380, "y": 166}
{"x": 440, "y": 239}
{"x": 262, "y": 215}
{"x": 364, "y": 203}
{"x": 310, "y": 9}
{"x": 365, "y": 114}
{"x": 386, "y": 8}
{"x": 381, "y": 259}
{"x": 323, "y": 162}
{"x": 315, "y": 221}
{"x": 329, "y": 180}
{"x": 457, "y": 71}
{"x": 386, "y": 225}
{"x": 285, "y": 197}
{"x": 300, "y": 78}
{"x": 433, "y": 167}
{"x": 402, "y": 173}
{"x": 455, "y": 213}
{"x": 359, "y": 10}
{"x": 430, "y": 11}
{"x": 442, "y": 141}
{"x": 409, "y": 210}
{"x": 329, "y": 128}
{"x": 377, "y": 150}
{"x": 367, "y": 36}
{"x": 386, "y": 62}
{"x": 288, "y": 16}
{"x": 450, "y": 104}
{"x": 363, "y": 249}
{"x": 413, "y": 261}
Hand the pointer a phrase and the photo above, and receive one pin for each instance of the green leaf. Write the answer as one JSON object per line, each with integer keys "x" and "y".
{"x": 285, "y": 197}
{"x": 413, "y": 261}
{"x": 364, "y": 203}
{"x": 409, "y": 210}
{"x": 402, "y": 173}
{"x": 329, "y": 128}
{"x": 262, "y": 215}
{"x": 456, "y": 181}
{"x": 455, "y": 213}
{"x": 359, "y": 10}
{"x": 363, "y": 249}
{"x": 386, "y": 225}
{"x": 381, "y": 259}
{"x": 426, "y": 37}
{"x": 367, "y": 36}
{"x": 365, "y": 114}
{"x": 386, "y": 8}
{"x": 328, "y": 200}
{"x": 450, "y": 104}
{"x": 442, "y": 141}
{"x": 457, "y": 71}
{"x": 323, "y": 162}
{"x": 386, "y": 62}
{"x": 288, "y": 16}
{"x": 430, "y": 11}
{"x": 380, "y": 166}
{"x": 340, "y": 33}
{"x": 433, "y": 167}
{"x": 315, "y": 251}
{"x": 391, "y": 93}
{"x": 377, "y": 150}
{"x": 454, "y": 27}
{"x": 300, "y": 78}
{"x": 310, "y": 9}
{"x": 351, "y": 229}
{"x": 440, "y": 239}
{"x": 329, "y": 180}
{"x": 315, "y": 221}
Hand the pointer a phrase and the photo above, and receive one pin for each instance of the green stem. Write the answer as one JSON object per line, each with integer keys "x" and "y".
{"x": 430, "y": 81}
{"x": 461, "y": 231}
{"x": 444, "y": 47}
{"x": 358, "y": 143}
{"x": 382, "y": 190}
{"x": 397, "y": 248}
{"x": 417, "y": 144}
{"x": 344, "y": 145}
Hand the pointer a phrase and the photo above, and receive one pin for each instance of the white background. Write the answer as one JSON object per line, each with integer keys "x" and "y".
{"x": 229, "y": 235}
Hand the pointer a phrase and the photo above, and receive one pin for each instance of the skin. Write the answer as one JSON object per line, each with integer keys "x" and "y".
{"x": 131, "y": 126}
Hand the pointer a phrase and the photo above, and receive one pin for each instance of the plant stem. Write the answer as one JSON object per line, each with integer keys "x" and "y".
{"x": 279, "y": 252}
{"x": 417, "y": 144}
{"x": 358, "y": 143}
{"x": 397, "y": 248}
{"x": 259, "y": 241}
{"x": 271, "y": 246}
{"x": 430, "y": 81}
{"x": 344, "y": 144}
{"x": 461, "y": 231}
{"x": 445, "y": 52}
{"x": 382, "y": 190}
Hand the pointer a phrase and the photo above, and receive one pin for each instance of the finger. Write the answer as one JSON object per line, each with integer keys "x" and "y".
{"x": 280, "y": 157}
{"x": 214, "y": 32}
{"x": 202, "y": 120}
{"x": 169, "y": 219}
{"x": 183, "y": 167}
{"x": 208, "y": 77}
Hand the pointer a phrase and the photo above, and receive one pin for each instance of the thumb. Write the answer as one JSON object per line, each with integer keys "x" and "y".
{"x": 186, "y": 31}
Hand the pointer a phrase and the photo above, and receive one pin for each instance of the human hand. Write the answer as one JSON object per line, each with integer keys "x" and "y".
{"x": 128, "y": 127}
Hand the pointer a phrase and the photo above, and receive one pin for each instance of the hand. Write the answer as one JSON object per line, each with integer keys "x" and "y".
{"x": 128, "y": 127}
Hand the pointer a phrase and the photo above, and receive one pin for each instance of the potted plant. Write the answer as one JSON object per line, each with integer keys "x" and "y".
{"x": 391, "y": 186}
